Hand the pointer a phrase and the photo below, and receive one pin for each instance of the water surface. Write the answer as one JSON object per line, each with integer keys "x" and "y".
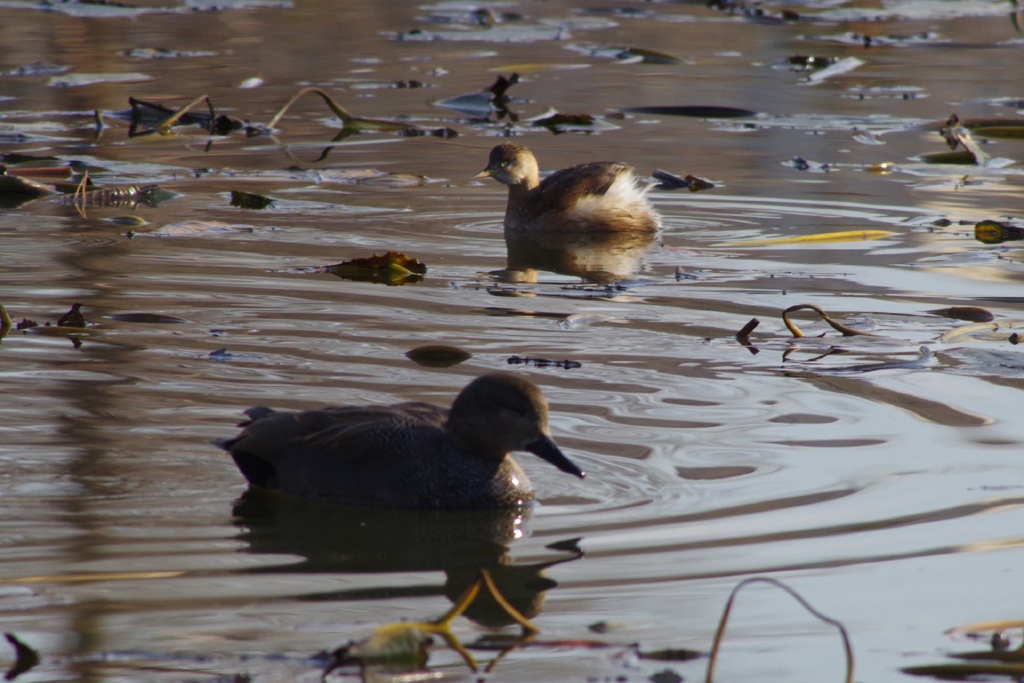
{"x": 889, "y": 497}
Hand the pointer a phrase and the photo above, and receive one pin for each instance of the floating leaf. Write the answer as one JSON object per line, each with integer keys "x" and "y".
{"x": 960, "y": 157}
{"x": 843, "y": 66}
{"x": 403, "y": 646}
{"x": 128, "y": 221}
{"x": 844, "y": 236}
{"x": 37, "y": 69}
{"x": 996, "y": 232}
{"x": 987, "y": 331}
{"x": 148, "y": 117}
{"x": 483, "y": 103}
{"x": 35, "y": 170}
{"x": 438, "y": 355}
{"x": 146, "y": 318}
{"x": 972, "y": 313}
{"x": 73, "y": 318}
{"x": 674, "y": 182}
{"x": 371, "y": 176}
{"x": 646, "y": 56}
{"x": 75, "y": 80}
{"x": 17, "y": 186}
{"x": 557, "y": 122}
{"x": 1006, "y": 129}
{"x": 251, "y": 201}
{"x": 801, "y": 164}
{"x": 57, "y": 331}
{"x": 25, "y": 658}
{"x": 806, "y": 62}
{"x": 697, "y": 111}
{"x": 390, "y": 268}
{"x": 968, "y": 672}
{"x": 160, "y": 53}
{"x": 676, "y": 654}
{"x": 222, "y": 355}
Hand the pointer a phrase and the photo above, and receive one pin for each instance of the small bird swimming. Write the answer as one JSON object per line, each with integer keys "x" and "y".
{"x": 409, "y": 455}
{"x": 599, "y": 196}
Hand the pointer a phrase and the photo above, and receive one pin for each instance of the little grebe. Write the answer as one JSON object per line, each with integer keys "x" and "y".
{"x": 600, "y": 196}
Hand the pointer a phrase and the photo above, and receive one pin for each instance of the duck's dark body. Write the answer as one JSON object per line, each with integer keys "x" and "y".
{"x": 405, "y": 455}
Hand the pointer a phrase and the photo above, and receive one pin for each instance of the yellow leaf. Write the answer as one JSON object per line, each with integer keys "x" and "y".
{"x": 845, "y": 236}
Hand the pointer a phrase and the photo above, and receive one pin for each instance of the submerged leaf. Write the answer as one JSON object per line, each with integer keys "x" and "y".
{"x": 974, "y": 314}
{"x": 438, "y": 355}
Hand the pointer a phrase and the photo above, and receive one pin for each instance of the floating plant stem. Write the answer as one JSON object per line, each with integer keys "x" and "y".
{"x": 720, "y": 632}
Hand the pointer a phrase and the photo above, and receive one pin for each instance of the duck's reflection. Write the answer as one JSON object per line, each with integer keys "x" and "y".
{"x": 601, "y": 257}
{"x": 374, "y": 540}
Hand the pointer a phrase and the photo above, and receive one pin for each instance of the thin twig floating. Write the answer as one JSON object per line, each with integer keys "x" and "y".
{"x": 744, "y": 334}
{"x": 164, "y": 127}
{"x": 347, "y": 120}
{"x": 78, "y": 198}
{"x": 720, "y": 633}
{"x": 837, "y": 326}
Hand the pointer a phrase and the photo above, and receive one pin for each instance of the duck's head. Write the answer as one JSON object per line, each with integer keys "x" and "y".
{"x": 499, "y": 413}
{"x": 512, "y": 164}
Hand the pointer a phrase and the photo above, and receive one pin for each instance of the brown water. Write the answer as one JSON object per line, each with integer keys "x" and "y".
{"x": 889, "y": 497}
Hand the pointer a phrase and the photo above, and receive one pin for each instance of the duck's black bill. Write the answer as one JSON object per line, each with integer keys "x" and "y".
{"x": 545, "y": 448}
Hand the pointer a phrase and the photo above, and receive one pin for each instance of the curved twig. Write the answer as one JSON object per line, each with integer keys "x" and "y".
{"x": 347, "y": 120}
{"x": 720, "y": 633}
{"x": 837, "y": 326}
